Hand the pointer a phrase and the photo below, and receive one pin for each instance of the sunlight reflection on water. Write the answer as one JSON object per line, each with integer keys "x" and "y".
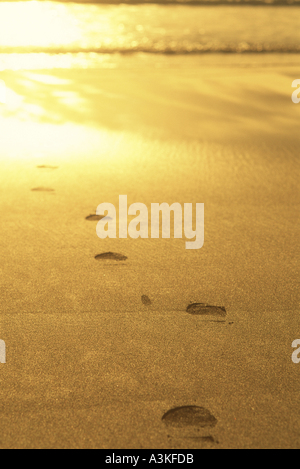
{"x": 48, "y": 27}
{"x": 36, "y": 24}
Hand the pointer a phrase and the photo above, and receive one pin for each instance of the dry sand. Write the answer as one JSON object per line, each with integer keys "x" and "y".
{"x": 90, "y": 362}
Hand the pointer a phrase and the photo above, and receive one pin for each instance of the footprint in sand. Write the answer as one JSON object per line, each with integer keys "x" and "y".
{"x": 146, "y": 300}
{"x": 44, "y": 166}
{"x": 114, "y": 256}
{"x": 189, "y": 416}
{"x": 42, "y": 189}
{"x": 190, "y": 422}
{"x": 95, "y": 217}
{"x": 203, "y": 439}
{"x": 205, "y": 310}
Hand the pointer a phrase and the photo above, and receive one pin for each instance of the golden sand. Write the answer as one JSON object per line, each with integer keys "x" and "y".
{"x": 99, "y": 352}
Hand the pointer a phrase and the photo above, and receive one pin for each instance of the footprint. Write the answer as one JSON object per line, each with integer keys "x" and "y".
{"x": 146, "y": 300}
{"x": 95, "y": 217}
{"x": 42, "y": 189}
{"x": 189, "y": 416}
{"x": 111, "y": 256}
{"x": 203, "y": 309}
{"x": 47, "y": 167}
{"x": 205, "y": 439}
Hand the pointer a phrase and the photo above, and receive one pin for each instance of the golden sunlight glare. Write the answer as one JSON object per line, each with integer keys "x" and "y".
{"x": 36, "y": 24}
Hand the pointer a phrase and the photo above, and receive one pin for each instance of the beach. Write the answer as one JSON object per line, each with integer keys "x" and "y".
{"x": 91, "y": 365}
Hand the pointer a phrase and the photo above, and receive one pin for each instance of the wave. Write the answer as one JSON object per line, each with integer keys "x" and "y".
{"x": 267, "y": 3}
{"x": 159, "y": 49}
{"x": 52, "y": 28}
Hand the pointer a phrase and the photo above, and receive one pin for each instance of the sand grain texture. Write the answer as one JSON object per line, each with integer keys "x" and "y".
{"x": 87, "y": 365}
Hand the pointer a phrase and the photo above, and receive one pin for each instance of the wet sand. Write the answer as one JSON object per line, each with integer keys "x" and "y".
{"x": 99, "y": 352}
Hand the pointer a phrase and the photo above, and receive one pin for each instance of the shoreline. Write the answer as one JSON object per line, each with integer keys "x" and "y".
{"x": 139, "y": 60}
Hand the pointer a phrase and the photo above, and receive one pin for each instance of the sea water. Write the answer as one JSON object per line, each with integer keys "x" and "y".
{"x": 64, "y": 35}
